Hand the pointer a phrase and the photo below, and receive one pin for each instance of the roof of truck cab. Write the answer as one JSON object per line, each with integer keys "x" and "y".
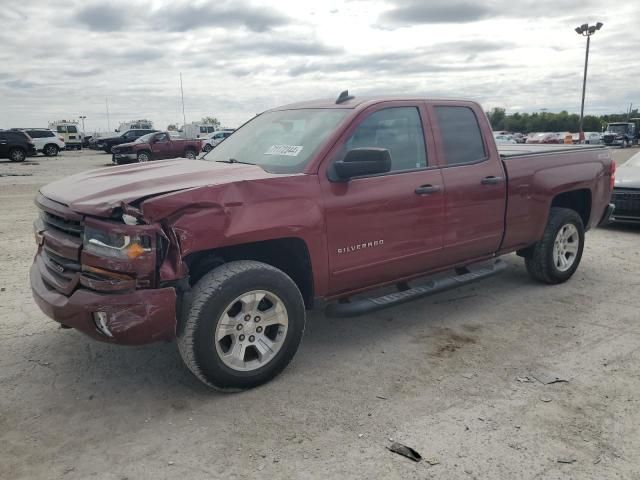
{"x": 358, "y": 102}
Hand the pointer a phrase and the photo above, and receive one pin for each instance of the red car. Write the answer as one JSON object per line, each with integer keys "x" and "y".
{"x": 304, "y": 207}
{"x": 155, "y": 146}
{"x": 543, "y": 138}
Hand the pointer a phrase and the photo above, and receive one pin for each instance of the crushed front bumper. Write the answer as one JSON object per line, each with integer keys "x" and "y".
{"x": 119, "y": 158}
{"x": 132, "y": 318}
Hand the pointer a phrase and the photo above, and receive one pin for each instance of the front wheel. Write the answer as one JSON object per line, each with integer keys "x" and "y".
{"x": 143, "y": 157}
{"x": 207, "y": 148}
{"x": 17, "y": 155}
{"x": 241, "y": 325}
{"x": 555, "y": 258}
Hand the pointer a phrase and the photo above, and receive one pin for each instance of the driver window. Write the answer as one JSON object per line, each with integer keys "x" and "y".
{"x": 161, "y": 137}
{"x": 399, "y": 130}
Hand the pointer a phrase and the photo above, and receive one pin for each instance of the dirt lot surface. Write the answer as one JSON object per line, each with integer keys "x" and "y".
{"x": 453, "y": 376}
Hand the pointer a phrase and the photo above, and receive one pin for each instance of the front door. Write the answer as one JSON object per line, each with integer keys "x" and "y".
{"x": 161, "y": 147}
{"x": 388, "y": 226}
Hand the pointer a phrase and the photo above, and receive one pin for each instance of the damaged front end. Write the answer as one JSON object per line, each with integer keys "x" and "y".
{"x": 113, "y": 279}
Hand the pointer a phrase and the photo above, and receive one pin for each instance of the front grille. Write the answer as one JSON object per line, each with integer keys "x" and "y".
{"x": 627, "y": 201}
{"x": 71, "y": 227}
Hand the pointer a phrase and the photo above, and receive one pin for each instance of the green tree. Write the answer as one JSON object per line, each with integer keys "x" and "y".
{"x": 211, "y": 121}
{"x": 496, "y": 118}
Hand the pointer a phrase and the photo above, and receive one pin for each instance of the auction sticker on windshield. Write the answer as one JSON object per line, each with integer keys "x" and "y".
{"x": 289, "y": 150}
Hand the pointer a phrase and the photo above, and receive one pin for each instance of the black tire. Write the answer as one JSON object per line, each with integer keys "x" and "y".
{"x": 540, "y": 262}
{"x": 17, "y": 155}
{"x": 207, "y": 148}
{"x": 144, "y": 156}
{"x": 204, "y": 306}
{"x": 50, "y": 150}
{"x": 107, "y": 149}
{"x": 190, "y": 154}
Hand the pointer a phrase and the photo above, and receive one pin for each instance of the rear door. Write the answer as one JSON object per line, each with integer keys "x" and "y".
{"x": 474, "y": 179}
{"x": 384, "y": 227}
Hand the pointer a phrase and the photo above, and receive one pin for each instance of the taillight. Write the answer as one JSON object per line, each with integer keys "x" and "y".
{"x": 61, "y": 139}
{"x": 613, "y": 174}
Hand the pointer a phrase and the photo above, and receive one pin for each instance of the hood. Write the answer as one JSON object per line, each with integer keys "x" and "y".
{"x": 98, "y": 192}
{"x": 125, "y": 145}
{"x": 628, "y": 174}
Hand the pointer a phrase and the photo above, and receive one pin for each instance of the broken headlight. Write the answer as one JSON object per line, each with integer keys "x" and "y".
{"x": 115, "y": 245}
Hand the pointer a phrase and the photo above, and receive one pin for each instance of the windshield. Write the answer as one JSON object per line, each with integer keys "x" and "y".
{"x": 619, "y": 128}
{"x": 145, "y": 138}
{"x": 280, "y": 141}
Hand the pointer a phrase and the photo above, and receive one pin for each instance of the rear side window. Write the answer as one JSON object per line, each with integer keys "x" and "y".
{"x": 61, "y": 129}
{"x": 397, "y": 129}
{"x": 72, "y": 129}
{"x": 461, "y": 137}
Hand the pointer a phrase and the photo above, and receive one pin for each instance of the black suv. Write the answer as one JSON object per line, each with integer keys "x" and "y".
{"x": 106, "y": 143}
{"x": 16, "y": 146}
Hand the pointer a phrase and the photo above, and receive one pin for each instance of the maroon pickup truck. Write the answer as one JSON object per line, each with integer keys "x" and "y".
{"x": 155, "y": 146}
{"x": 306, "y": 206}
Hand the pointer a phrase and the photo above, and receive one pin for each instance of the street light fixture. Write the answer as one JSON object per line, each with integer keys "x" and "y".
{"x": 586, "y": 31}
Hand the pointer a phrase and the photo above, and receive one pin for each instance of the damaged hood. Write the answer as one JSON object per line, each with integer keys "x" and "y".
{"x": 98, "y": 192}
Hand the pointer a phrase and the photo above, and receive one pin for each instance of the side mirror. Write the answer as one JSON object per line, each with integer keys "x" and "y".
{"x": 363, "y": 161}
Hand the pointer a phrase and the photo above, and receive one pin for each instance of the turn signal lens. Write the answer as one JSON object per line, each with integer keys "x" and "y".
{"x": 613, "y": 174}
{"x": 135, "y": 250}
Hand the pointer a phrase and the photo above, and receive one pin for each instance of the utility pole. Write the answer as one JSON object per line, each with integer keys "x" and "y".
{"x": 586, "y": 31}
{"x": 184, "y": 118}
{"x": 82, "y": 117}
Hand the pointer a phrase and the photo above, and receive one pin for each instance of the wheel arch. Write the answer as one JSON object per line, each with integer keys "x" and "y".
{"x": 578, "y": 200}
{"x": 289, "y": 254}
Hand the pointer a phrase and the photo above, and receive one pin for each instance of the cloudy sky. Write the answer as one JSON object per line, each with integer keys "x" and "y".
{"x": 237, "y": 58}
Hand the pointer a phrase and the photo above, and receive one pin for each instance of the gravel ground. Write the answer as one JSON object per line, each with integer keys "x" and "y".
{"x": 452, "y": 376}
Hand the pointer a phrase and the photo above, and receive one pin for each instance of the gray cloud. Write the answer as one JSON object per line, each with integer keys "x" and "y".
{"x": 104, "y": 17}
{"x": 459, "y": 53}
{"x": 181, "y": 17}
{"x": 137, "y": 55}
{"x": 20, "y": 84}
{"x": 83, "y": 73}
{"x": 445, "y": 12}
{"x": 284, "y": 46}
{"x": 416, "y": 12}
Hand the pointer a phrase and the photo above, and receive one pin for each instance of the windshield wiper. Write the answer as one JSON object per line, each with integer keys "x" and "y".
{"x": 233, "y": 160}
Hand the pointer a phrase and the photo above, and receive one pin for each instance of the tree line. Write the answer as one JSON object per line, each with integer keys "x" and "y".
{"x": 552, "y": 122}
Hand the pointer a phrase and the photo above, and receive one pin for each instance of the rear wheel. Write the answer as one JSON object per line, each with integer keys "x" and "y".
{"x": 50, "y": 150}
{"x": 555, "y": 258}
{"x": 190, "y": 154}
{"x": 241, "y": 325}
{"x": 17, "y": 155}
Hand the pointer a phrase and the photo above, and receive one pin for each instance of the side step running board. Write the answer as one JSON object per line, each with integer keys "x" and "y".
{"x": 366, "y": 305}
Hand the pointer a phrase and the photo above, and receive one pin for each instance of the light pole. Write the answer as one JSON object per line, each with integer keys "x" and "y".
{"x": 82, "y": 117}
{"x": 586, "y": 31}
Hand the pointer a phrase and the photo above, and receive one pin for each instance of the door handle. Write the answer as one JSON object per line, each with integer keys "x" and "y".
{"x": 491, "y": 180}
{"x": 427, "y": 189}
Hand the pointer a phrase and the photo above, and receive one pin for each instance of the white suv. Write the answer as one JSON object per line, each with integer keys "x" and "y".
{"x": 213, "y": 139}
{"x": 46, "y": 141}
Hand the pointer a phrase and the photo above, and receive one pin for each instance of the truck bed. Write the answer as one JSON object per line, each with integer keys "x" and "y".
{"x": 523, "y": 149}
